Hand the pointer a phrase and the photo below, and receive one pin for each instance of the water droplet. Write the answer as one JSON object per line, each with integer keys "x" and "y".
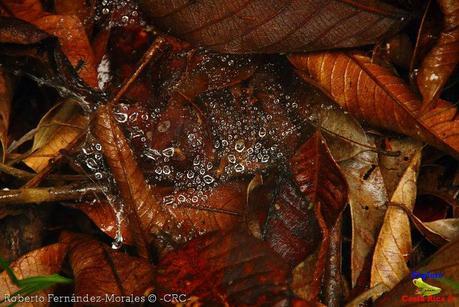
{"x": 168, "y": 200}
{"x": 166, "y": 170}
{"x": 98, "y": 176}
{"x": 190, "y": 174}
{"x": 169, "y": 152}
{"x": 208, "y": 179}
{"x": 262, "y": 132}
{"x": 159, "y": 170}
{"x": 92, "y": 164}
{"x": 151, "y": 154}
{"x": 231, "y": 158}
{"x": 239, "y": 146}
{"x": 120, "y": 117}
{"x": 239, "y": 168}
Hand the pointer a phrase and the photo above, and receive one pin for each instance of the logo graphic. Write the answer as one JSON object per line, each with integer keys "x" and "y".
{"x": 424, "y": 288}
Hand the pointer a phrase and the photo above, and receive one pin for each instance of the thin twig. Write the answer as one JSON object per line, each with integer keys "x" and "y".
{"x": 147, "y": 57}
{"x": 41, "y": 195}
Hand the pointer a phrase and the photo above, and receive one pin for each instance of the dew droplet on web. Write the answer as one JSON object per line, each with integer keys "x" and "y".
{"x": 168, "y": 152}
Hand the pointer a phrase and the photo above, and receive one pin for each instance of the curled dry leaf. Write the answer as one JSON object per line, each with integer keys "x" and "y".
{"x": 100, "y": 271}
{"x": 56, "y": 130}
{"x": 69, "y": 30}
{"x": 373, "y": 94}
{"x": 367, "y": 201}
{"x": 394, "y": 241}
{"x": 225, "y": 268}
{"x": 5, "y": 110}
{"x": 441, "y": 61}
{"x": 437, "y": 232}
{"x": 44, "y": 261}
{"x": 445, "y": 262}
{"x": 275, "y": 26}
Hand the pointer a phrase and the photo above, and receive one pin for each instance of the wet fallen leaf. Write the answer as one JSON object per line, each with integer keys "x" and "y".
{"x": 275, "y": 26}
{"x": 379, "y": 97}
{"x": 225, "y": 268}
{"x": 393, "y": 167}
{"x": 393, "y": 246}
{"x": 101, "y": 271}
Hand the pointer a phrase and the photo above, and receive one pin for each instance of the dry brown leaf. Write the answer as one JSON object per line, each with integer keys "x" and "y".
{"x": 441, "y": 61}
{"x": 394, "y": 241}
{"x": 367, "y": 200}
{"x": 438, "y": 232}
{"x": 393, "y": 167}
{"x": 56, "y": 130}
{"x": 100, "y": 271}
{"x": 344, "y": 135}
{"x": 67, "y": 28}
{"x": 253, "y": 26}
{"x": 373, "y": 94}
{"x": 44, "y": 261}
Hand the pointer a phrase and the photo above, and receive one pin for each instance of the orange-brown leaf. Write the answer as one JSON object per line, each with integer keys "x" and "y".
{"x": 6, "y": 96}
{"x": 248, "y": 26}
{"x": 99, "y": 270}
{"x": 44, "y": 261}
{"x": 133, "y": 188}
{"x": 374, "y": 94}
{"x": 441, "y": 61}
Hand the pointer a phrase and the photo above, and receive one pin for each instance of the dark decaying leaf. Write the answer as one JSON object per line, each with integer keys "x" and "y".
{"x": 291, "y": 228}
{"x": 225, "y": 268}
{"x": 441, "y": 61}
{"x": 375, "y": 95}
{"x": 319, "y": 177}
{"x": 252, "y": 26}
{"x": 321, "y": 181}
{"x": 99, "y": 270}
{"x": 445, "y": 262}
